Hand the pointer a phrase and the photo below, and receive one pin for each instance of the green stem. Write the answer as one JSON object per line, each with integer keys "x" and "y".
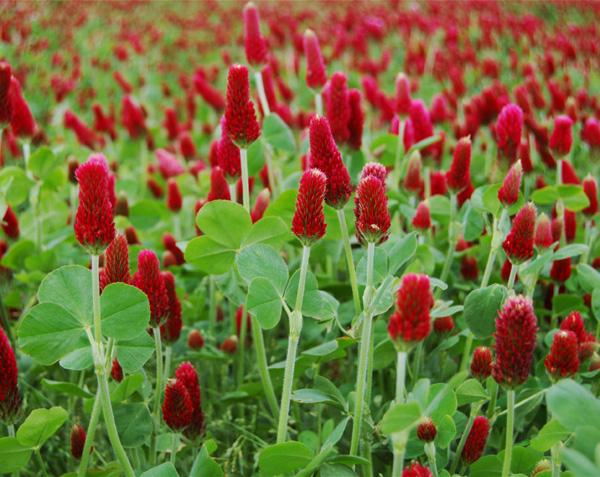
{"x": 212, "y": 308}
{"x": 168, "y": 359}
{"x": 11, "y": 427}
{"x": 245, "y": 186}
{"x": 510, "y": 422}
{"x": 319, "y": 103}
{"x": 555, "y": 453}
{"x": 463, "y": 438}
{"x": 493, "y": 392}
{"x": 264, "y": 104}
{"x": 89, "y": 438}
{"x": 294, "y": 338}
{"x": 241, "y": 348}
{"x": 174, "y": 447}
{"x": 514, "y": 268}
{"x": 402, "y": 357}
{"x": 523, "y": 402}
{"x": 464, "y": 361}
{"x": 588, "y": 240}
{"x": 451, "y": 241}
{"x": 157, "y": 392}
{"x": 263, "y": 370}
{"x": 430, "y": 451}
{"x": 40, "y": 461}
{"x": 349, "y": 261}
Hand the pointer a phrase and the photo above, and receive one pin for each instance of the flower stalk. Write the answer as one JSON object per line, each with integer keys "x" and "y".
{"x": 349, "y": 261}
{"x": 510, "y": 422}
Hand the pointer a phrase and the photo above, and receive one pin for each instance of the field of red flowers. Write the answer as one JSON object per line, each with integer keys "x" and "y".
{"x": 299, "y": 239}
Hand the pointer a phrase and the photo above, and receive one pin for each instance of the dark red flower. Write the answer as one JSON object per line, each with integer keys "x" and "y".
{"x": 308, "y": 223}
{"x": 5, "y": 100}
{"x": 132, "y": 237}
{"x": 443, "y": 325}
{"x": 481, "y": 363}
{"x": 509, "y": 129}
{"x": 254, "y": 43}
{"x": 411, "y": 321}
{"x": 261, "y": 204}
{"x": 10, "y": 397}
{"x": 174, "y": 199}
{"x": 337, "y": 107}
{"x": 518, "y": 244}
{"x": 543, "y": 232}
{"x": 515, "y": 337}
{"x": 177, "y": 406}
{"x": 149, "y": 279}
{"x": 242, "y": 127}
{"x": 94, "y": 226}
{"x": 10, "y": 223}
{"x": 563, "y": 359}
{"x": 374, "y": 169}
{"x": 568, "y": 174}
{"x": 437, "y": 180}
{"x": 477, "y": 439}
{"x": 155, "y": 188}
{"x": 219, "y": 190}
{"x": 116, "y": 263}
{"x": 133, "y": 118}
{"x": 187, "y": 146}
{"x": 104, "y": 123}
{"x": 195, "y": 340}
{"x": 356, "y": 120}
{"x": 209, "y": 93}
{"x": 422, "y": 217}
{"x": 186, "y": 373}
{"x": 171, "y": 245}
{"x": 412, "y": 180}
{"x": 170, "y": 330}
{"x": 371, "y": 210}
{"x": 416, "y": 470}
{"x": 78, "y": 436}
{"x": 561, "y": 138}
{"x": 116, "y": 371}
{"x": 228, "y": 155}
{"x": 590, "y": 187}
{"x": 403, "y": 99}
{"x": 508, "y": 194}
{"x": 591, "y": 133}
{"x": 574, "y": 322}
{"x": 22, "y": 121}
{"x": 458, "y": 176}
{"x": 316, "y": 75}
{"x": 426, "y": 430}
{"x": 468, "y": 268}
{"x": 561, "y": 270}
{"x": 229, "y": 345}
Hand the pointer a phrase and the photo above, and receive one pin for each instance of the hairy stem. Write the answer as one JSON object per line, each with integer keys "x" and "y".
{"x": 349, "y": 261}
{"x": 401, "y": 359}
{"x": 89, "y": 438}
{"x": 157, "y": 392}
{"x": 510, "y": 422}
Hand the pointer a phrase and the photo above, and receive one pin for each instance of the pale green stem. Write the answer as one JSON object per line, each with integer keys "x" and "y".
{"x": 177, "y": 225}
{"x": 514, "y": 268}
{"x": 555, "y": 453}
{"x": 451, "y": 241}
{"x": 157, "y": 392}
{"x": 241, "y": 348}
{"x": 319, "y": 103}
{"x": 263, "y": 370}
{"x": 168, "y": 359}
{"x": 402, "y": 357}
{"x": 89, "y": 438}
{"x": 510, "y": 422}
{"x": 143, "y": 166}
{"x": 264, "y": 104}
{"x": 349, "y": 261}
{"x": 461, "y": 444}
{"x": 212, "y": 308}
{"x": 11, "y": 427}
{"x": 174, "y": 447}
{"x": 361, "y": 375}
{"x": 523, "y": 402}
{"x": 294, "y": 338}
{"x": 588, "y": 240}
{"x": 493, "y": 392}
{"x": 268, "y": 153}
{"x": 430, "y": 451}
{"x": 245, "y": 186}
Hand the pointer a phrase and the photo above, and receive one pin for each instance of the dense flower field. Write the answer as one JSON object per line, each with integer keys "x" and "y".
{"x": 299, "y": 238}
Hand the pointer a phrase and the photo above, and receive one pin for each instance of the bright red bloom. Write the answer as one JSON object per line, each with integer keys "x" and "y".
{"x": 174, "y": 199}
{"x": 411, "y": 322}
{"x": 574, "y": 322}
{"x": 155, "y": 188}
{"x": 563, "y": 359}
{"x": 5, "y": 100}
{"x": 254, "y": 43}
{"x": 443, "y": 325}
{"x": 261, "y": 204}
{"x": 412, "y": 180}
{"x": 195, "y": 339}
{"x": 229, "y": 345}
{"x": 561, "y": 138}
{"x": 209, "y": 93}
{"x": 133, "y": 118}
{"x": 509, "y": 192}
{"x": 149, "y": 279}
{"x": 170, "y": 330}
{"x": 94, "y": 226}
{"x": 374, "y": 169}
{"x": 186, "y": 145}
{"x": 481, "y": 363}
{"x": 104, "y": 123}
{"x": 177, "y": 406}
{"x": 515, "y": 337}
{"x": 437, "y": 180}
{"x": 477, "y": 439}
{"x": 509, "y": 129}
{"x": 403, "y": 99}
{"x": 168, "y": 164}
{"x": 22, "y": 121}
{"x": 228, "y": 155}
{"x": 422, "y": 217}
{"x": 219, "y": 190}
{"x": 325, "y": 156}
{"x": 171, "y": 124}
{"x": 426, "y": 430}
{"x": 568, "y": 174}
{"x": 10, "y": 224}
{"x": 570, "y": 225}
{"x": 590, "y": 187}
{"x": 116, "y": 263}
{"x": 316, "y": 75}
{"x": 458, "y": 176}
{"x": 356, "y": 120}
{"x": 116, "y": 371}
{"x": 171, "y": 245}
{"x": 242, "y": 127}
{"x": 77, "y": 437}
{"x": 337, "y": 107}
{"x": 84, "y": 134}
{"x": 308, "y": 223}
{"x": 186, "y": 373}
{"x": 371, "y": 210}
{"x": 543, "y": 232}
{"x": 591, "y": 133}
{"x": 416, "y": 470}
{"x": 10, "y": 397}
{"x": 239, "y": 317}
{"x": 421, "y": 122}
{"x": 518, "y": 244}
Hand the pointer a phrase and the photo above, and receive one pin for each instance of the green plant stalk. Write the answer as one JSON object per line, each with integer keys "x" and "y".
{"x": 245, "y": 186}
{"x": 493, "y": 392}
{"x": 399, "y": 152}
{"x": 168, "y": 359}
{"x": 349, "y": 261}
{"x": 451, "y": 241}
{"x": 361, "y": 375}
{"x": 40, "y": 461}
{"x": 588, "y": 240}
{"x": 11, "y": 427}
{"x": 319, "y": 103}
{"x": 463, "y": 439}
{"x": 263, "y": 370}
{"x": 523, "y": 402}
{"x": 174, "y": 447}
{"x": 260, "y": 87}
{"x": 430, "y": 451}
{"x": 100, "y": 368}
{"x": 241, "y": 348}
{"x": 212, "y": 307}
{"x": 294, "y": 338}
{"x": 157, "y": 392}
{"x": 89, "y": 437}
{"x": 513, "y": 275}
{"x": 510, "y": 422}
{"x": 401, "y": 359}
{"x": 555, "y": 455}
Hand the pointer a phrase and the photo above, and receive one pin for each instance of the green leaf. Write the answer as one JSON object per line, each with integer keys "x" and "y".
{"x": 40, "y": 425}
{"x": 18, "y": 253}
{"x": 133, "y": 354}
{"x": 226, "y": 223}
{"x": 552, "y": 433}
{"x": 524, "y": 459}
{"x": 487, "y": 466}
{"x": 401, "y": 417}
{"x": 470, "y": 391}
{"x": 134, "y": 424}
{"x": 15, "y": 185}
{"x": 13, "y": 456}
{"x": 49, "y": 332}
{"x": 209, "y": 256}
{"x": 481, "y": 309}
{"x": 441, "y": 401}
{"x": 277, "y": 133}
{"x": 268, "y": 230}
{"x": 423, "y": 143}
{"x": 42, "y": 162}
{"x": 472, "y": 224}
{"x": 125, "y": 311}
{"x": 163, "y": 470}
{"x": 283, "y": 206}
{"x": 446, "y": 430}
{"x": 383, "y": 299}
{"x": 579, "y": 463}
{"x": 262, "y": 261}
{"x": 596, "y": 303}
{"x": 127, "y": 387}
{"x": 573, "y": 196}
{"x": 205, "y": 466}
{"x": 315, "y": 303}
{"x": 70, "y": 389}
{"x": 264, "y": 302}
{"x": 71, "y": 288}
{"x": 490, "y": 199}
{"x": 145, "y": 214}
{"x": 283, "y": 458}
{"x": 400, "y": 251}
{"x": 384, "y": 148}
{"x": 573, "y": 405}
{"x": 79, "y": 359}
{"x": 571, "y": 250}
{"x": 588, "y": 277}
{"x": 545, "y": 196}
{"x": 311, "y": 396}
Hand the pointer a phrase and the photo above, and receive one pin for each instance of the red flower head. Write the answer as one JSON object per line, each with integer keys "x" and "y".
{"x": 242, "y": 127}
{"x": 116, "y": 371}
{"x": 84, "y": 134}
{"x": 177, "y": 406}
{"x": 219, "y": 190}
{"x": 308, "y": 223}
{"x": 229, "y": 345}
{"x": 477, "y": 439}
{"x": 133, "y": 118}
{"x": 570, "y": 225}
{"x": 261, "y": 204}
{"x": 78, "y": 436}
{"x": 209, "y": 93}
{"x": 187, "y": 146}
{"x": 10, "y": 224}
{"x": 591, "y": 133}
{"x": 518, "y": 244}
{"x": 5, "y": 101}
{"x": 186, "y": 373}
{"x": 10, "y": 397}
{"x": 421, "y": 122}
{"x": 468, "y": 268}
{"x": 412, "y": 180}
{"x": 149, "y": 279}
{"x": 174, "y": 199}
{"x": 590, "y": 187}
{"x": 170, "y": 330}
{"x": 356, "y": 120}
{"x": 516, "y": 328}
{"x": 94, "y": 226}
{"x": 438, "y": 183}
{"x": 403, "y": 99}
{"x": 254, "y": 43}
{"x": 239, "y": 314}
{"x": 563, "y": 359}
{"x": 337, "y": 107}
{"x": 104, "y": 123}
{"x": 561, "y": 270}
{"x": 371, "y": 210}
{"x": 509, "y": 192}
{"x": 316, "y": 75}
{"x": 568, "y": 174}
{"x": 422, "y": 217}
{"x": 195, "y": 340}
{"x": 416, "y": 470}
{"x": 411, "y": 322}
{"x": 458, "y": 176}
{"x": 426, "y": 430}
{"x": 443, "y": 325}
{"x": 561, "y": 138}
{"x": 116, "y": 263}
{"x": 509, "y": 129}
{"x": 22, "y": 121}
{"x": 374, "y": 169}
{"x": 132, "y": 237}
{"x": 543, "y": 232}
{"x": 228, "y": 154}
{"x": 481, "y": 363}
{"x": 171, "y": 124}
{"x": 574, "y": 322}
{"x": 325, "y": 156}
